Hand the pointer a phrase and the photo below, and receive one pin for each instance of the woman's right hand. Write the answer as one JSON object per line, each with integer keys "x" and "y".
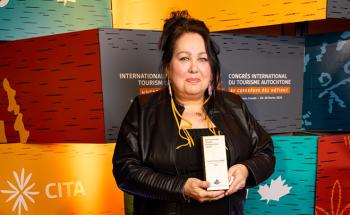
{"x": 197, "y": 189}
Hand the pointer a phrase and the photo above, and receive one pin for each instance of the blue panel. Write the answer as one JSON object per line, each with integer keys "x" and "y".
{"x": 327, "y": 82}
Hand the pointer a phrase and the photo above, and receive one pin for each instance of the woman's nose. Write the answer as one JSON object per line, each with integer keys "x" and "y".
{"x": 194, "y": 67}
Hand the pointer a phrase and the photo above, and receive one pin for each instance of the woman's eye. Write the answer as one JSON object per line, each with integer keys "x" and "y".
{"x": 184, "y": 58}
{"x": 203, "y": 59}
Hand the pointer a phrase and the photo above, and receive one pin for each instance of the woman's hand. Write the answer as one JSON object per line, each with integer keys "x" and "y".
{"x": 239, "y": 174}
{"x": 197, "y": 189}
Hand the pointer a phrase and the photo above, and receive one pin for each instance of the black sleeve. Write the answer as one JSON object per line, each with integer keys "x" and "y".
{"x": 131, "y": 174}
{"x": 262, "y": 162}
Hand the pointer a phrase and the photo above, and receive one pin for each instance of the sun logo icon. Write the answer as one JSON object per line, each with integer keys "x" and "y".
{"x": 21, "y": 192}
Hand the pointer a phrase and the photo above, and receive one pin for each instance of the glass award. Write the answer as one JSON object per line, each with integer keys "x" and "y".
{"x": 215, "y": 162}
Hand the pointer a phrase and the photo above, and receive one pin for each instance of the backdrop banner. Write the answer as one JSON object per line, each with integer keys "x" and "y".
{"x": 58, "y": 179}
{"x": 271, "y": 86}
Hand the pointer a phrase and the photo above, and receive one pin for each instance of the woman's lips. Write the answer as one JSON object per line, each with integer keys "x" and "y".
{"x": 193, "y": 80}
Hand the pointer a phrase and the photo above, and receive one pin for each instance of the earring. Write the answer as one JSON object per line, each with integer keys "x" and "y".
{"x": 169, "y": 88}
{"x": 210, "y": 90}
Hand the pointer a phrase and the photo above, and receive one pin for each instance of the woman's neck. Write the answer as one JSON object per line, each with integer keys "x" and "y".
{"x": 190, "y": 101}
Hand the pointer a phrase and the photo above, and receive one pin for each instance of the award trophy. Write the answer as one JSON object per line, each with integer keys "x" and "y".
{"x": 215, "y": 162}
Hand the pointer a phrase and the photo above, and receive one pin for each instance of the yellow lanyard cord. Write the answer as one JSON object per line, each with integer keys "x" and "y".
{"x": 187, "y": 136}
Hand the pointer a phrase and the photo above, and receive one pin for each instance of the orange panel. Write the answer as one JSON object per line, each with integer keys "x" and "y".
{"x": 58, "y": 179}
{"x": 219, "y": 15}
{"x": 261, "y": 90}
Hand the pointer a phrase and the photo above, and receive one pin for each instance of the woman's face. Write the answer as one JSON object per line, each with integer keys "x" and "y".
{"x": 189, "y": 70}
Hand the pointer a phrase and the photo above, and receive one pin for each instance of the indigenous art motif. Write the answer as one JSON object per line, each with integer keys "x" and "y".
{"x": 327, "y": 82}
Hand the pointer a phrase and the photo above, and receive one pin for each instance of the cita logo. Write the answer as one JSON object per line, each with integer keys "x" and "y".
{"x": 20, "y": 192}
{"x": 3, "y": 3}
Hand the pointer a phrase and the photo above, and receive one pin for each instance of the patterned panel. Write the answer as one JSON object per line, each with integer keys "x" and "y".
{"x": 31, "y": 18}
{"x": 219, "y": 15}
{"x": 333, "y": 174}
{"x": 326, "y": 99}
{"x": 291, "y": 188}
{"x": 55, "y": 83}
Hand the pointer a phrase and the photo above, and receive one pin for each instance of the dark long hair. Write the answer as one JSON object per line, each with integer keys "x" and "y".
{"x": 181, "y": 22}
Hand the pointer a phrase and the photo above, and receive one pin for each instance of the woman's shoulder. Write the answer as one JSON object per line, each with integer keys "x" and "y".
{"x": 229, "y": 102}
{"x": 225, "y": 96}
{"x": 151, "y": 99}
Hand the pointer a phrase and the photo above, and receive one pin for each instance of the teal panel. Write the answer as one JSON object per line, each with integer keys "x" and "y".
{"x": 296, "y": 160}
{"x": 31, "y": 18}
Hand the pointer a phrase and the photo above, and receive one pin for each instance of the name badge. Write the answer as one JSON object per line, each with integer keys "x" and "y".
{"x": 215, "y": 162}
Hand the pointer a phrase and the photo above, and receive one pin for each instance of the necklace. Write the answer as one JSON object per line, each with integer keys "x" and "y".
{"x": 200, "y": 114}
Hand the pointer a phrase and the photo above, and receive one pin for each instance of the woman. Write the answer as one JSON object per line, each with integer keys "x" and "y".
{"x": 158, "y": 155}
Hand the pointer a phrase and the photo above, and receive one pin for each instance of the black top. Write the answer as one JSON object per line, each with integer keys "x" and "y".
{"x": 189, "y": 161}
{"x": 144, "y": 160}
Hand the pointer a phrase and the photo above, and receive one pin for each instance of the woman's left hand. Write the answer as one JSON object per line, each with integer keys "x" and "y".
{"x": 239, "y": 174}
